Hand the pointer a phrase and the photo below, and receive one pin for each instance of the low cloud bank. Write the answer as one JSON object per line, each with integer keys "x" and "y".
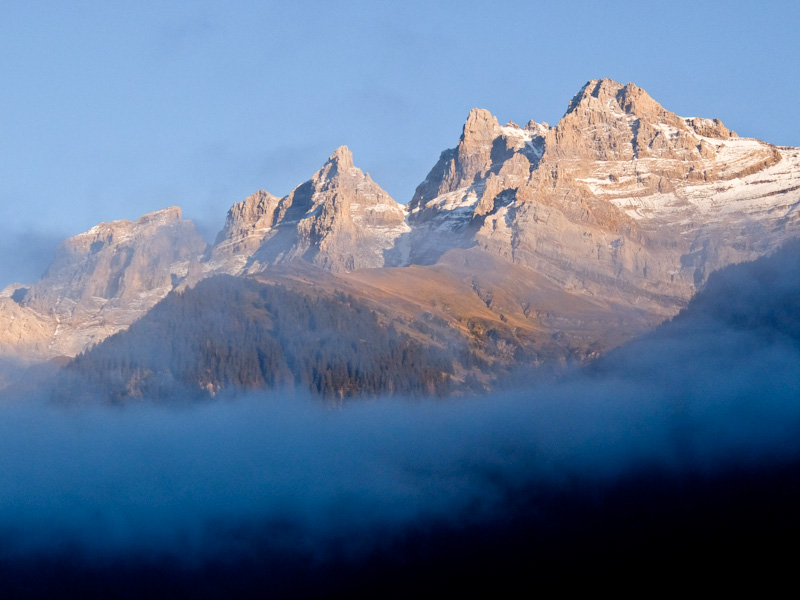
{"x": 255, "y": 480}
{"x": 183, "y": 481}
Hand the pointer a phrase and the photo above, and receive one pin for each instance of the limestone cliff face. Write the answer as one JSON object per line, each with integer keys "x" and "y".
{"x": 621, "y": 199}
{"x": 622, "y": 203}
{"x": 485, "y": 149}
{"x": 340, "y": 220}
{"x": 469, "y": 181}
{"x": 247, "y": 223}
{"x": 99, "y": 282}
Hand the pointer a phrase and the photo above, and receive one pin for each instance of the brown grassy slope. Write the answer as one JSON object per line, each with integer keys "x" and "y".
{"x": 505, "y": 313}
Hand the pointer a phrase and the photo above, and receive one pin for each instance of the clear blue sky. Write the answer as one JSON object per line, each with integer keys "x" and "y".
{"x": 109, "y": 110}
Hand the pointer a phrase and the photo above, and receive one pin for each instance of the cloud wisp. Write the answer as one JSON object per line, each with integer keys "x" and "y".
{"x": 700, "y": 418}
{"x": 268, "y": 475}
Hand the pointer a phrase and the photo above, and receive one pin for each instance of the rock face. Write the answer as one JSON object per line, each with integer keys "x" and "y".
{"x": 99, "y": 282}
{"x": 468, "y": 181}
{"x": 340, "y": 220}
{"x": 611, "y": 219}
{"x": 621, "y": 199}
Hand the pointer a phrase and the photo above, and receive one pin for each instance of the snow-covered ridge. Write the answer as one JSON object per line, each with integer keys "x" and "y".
{"x": 763, "y": 190}
{"x": 618, "y": 201}
{"x": 515, "y": 131}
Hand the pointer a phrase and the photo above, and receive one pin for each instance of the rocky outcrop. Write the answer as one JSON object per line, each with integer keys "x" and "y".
{"x": 622, "y": 199}
{"x": 485, "y": 148}
{"x": 622, "y": 203}
{"x": 472, "y": 180}
{"x": 99, "y": 282}
{"x": 340, "y": 220}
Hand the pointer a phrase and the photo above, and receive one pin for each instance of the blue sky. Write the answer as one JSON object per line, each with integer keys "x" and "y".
{"x": 110, "y": 110}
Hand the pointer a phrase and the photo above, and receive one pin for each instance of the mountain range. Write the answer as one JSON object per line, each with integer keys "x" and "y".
{"x": 524, "y": 246}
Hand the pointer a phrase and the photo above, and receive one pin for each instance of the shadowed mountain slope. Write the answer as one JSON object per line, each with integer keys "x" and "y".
{"x": 229, "y": 334}
{"x": 534, "y": 244}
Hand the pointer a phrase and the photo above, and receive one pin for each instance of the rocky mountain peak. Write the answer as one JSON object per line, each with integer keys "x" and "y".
{"x": 597, "y": 189}
{"x": 605, "y": 99}
{"x": 480, "y": 129}
{"x": 592, "y": 89}
{"x": 483, "y": 142}
{"x": 537, "y": 129}
{"x": 160, "y": 217}
{"x": 102, "y": 280}
{"x": 635, "y": 100}
{"x": 121, "y": 260}
{"x": 339, "y": 163}
{"x": 341, "y": 158}
{"x": 621, "y": 201}
{"x": 710, "y": 128}
{"x": 609, "y": 121}
{"x": 255, "y": 212}
{"x": 340, "y": 220}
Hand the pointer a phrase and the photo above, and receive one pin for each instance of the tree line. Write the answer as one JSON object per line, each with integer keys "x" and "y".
{"x": 230, "y": 333}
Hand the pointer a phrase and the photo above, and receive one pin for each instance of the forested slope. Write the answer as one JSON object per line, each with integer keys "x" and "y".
{"x": 232, "y": 333}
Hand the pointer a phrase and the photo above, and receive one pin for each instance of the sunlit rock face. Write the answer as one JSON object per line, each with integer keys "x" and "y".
{"x": 568, "y": 239}
{"x": 621, "y": 199}
{"x": 99, "y": 282}
{"x": 340, "y": 220}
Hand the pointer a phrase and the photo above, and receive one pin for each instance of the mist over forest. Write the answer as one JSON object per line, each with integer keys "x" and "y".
{"x": 680, "y": 445}
{"x": 378, "y": 300}
{"x": 231, "y": 333}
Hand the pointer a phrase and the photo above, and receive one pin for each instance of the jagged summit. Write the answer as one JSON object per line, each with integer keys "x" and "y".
{"x": 485, "y": 150}
{"x": 341, "y": 159}
{"x": 606, "y": 96}
{"x": 99, "y": 282}
{"x": 165, "y": 215}
{"x": 629, "y": 98}
{"x": 621, "y": 202}
{"x": 158, "y": 218}
{"x": 480, "y": 128}
{"x": 590, "y": 88}
{"x": 340, "y": 220}
{"x": 610, "y": 121}
{"x": 620, "y": 190}
{"x": 343, "y": 155}
{"x": 607, "y": 88}
{"x": 110, "y": 249}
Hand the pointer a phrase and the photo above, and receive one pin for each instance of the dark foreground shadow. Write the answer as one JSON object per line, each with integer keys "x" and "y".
{"x": 649, "y": 532}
